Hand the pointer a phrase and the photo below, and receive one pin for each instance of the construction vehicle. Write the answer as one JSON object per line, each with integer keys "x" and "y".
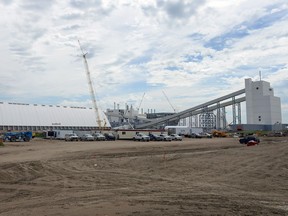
{"x": 217, "y": 133}
{"x": 18, "y": 136}
{"x": 249, "y": 140}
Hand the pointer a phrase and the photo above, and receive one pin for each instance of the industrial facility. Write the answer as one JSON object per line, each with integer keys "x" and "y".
{"x": 263, "y": 112}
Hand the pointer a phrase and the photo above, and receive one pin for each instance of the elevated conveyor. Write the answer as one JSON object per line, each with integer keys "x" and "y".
{"x": 209, "y": 106}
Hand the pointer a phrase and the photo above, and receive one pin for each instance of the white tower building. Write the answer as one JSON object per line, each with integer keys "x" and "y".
{"x": 262, "y": 106}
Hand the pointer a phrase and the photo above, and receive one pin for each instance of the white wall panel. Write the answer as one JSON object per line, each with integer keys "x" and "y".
{"x": 17, "y": 114}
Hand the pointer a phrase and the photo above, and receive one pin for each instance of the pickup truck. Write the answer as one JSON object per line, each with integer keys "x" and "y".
{"x": 71, "y": 137}
{"x": 141, "y": 137}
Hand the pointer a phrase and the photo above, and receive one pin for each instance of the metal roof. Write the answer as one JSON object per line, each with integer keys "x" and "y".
{"x": 21, "y": 114}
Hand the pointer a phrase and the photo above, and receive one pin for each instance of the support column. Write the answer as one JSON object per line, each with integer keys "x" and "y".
{"x": 218, "y": 125}
{"x": 190, "y": 120}
{"x": 224, "y": 122}
{"x": 239, "y": 113}
{"x": 196, "y": 121}
{"x": 184, "y": 122}
{"x": 234, "y": 110}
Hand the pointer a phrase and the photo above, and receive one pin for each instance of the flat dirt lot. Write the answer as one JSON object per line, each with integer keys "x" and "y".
{"x": 194, "y": 177}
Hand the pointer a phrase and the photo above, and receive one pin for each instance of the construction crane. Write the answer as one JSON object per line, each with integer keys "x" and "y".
{"x": 92, "y": 93}
{"x": 169, "y": 101}
{"x": 141, "y": 101}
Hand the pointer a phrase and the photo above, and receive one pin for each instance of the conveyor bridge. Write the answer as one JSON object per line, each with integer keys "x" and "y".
{"x": 217, "y": 105}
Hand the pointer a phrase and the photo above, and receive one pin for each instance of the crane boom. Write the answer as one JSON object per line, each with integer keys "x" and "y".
{"x": 141, "y": 101}
{"x": 169, "y": 102}
{"x": 92, "y": 93}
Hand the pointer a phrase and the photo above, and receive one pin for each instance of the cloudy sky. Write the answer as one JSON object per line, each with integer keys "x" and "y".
{"x": 192, "y": 50}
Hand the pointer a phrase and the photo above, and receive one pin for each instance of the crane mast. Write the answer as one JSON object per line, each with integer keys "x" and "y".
{"x": 92, "y": 93}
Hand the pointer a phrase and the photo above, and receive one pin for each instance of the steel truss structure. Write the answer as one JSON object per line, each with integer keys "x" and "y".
{"x": 205, "y": 113}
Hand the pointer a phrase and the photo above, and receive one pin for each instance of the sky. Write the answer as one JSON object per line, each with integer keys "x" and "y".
{"x": 192, "y": 51}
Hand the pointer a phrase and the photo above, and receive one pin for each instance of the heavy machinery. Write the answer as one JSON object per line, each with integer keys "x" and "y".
{"x": 217, "y": 133}
{"x": 92, "y": 92}
{"x": 25, "y": 136}
{"x": 249, "y": 140}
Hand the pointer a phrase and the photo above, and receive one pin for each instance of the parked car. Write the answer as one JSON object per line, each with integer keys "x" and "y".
{"x": 247, "y": 139}
{"x": 109, "y": 136}
{"x": 206, "y": 135}
{"x": 71, "y": 137}
{"x": 176, "y": 137}
{"x": 166, "y": 137}
{"x": 195, "y": 135}
{"x": 87, "y": 137}
{"x": 141, "y": 137}
{"x": 99, "y": 137}
{"x": 155, "y": 137}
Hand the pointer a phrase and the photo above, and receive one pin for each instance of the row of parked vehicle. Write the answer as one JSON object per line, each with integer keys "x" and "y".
{"x": 200, "y": 135}
{"x": 89, "y": 137}
{"x": 156, "y": 137}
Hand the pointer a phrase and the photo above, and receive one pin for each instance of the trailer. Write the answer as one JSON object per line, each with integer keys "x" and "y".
{"x": 57, "y": 134}
{"x": 128, "y": 134}
{"x": 183, "y": 130}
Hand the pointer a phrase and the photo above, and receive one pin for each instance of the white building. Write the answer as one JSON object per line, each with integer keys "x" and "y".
{"x": 121, "y": 117}
{"x": 21, "y": 116}
{"x": 262, "y": 107}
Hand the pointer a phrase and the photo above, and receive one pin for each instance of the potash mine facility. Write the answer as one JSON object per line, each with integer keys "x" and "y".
{"x": 263, "y": 112}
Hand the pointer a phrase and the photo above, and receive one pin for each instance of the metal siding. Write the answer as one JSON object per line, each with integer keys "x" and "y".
{"x": 31, "y": 115}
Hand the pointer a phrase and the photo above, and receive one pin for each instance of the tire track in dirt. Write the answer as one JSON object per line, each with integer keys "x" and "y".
{"x": 169, "y": 180}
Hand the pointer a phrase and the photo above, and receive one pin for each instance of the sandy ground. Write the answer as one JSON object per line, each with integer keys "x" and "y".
{"x": 194, "y": 177}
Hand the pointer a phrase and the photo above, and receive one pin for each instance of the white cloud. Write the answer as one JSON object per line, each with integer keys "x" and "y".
{"x": 194, "y": 50}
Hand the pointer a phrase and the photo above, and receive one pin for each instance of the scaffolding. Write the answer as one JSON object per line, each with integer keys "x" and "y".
{"x": 207, "y": 119}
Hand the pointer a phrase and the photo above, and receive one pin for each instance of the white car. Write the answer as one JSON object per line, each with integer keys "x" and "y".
{"x": 176, "y": 137}
{"x": 166, "y": 137}
{"x": 206, "y": 135}
{"x": 141, "y": 137}
{"x": 99, "y": 137}
{"x": 87, "y": 137}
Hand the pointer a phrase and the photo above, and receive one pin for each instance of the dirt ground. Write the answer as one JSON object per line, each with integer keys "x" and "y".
{"x": 194, "y": 177}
